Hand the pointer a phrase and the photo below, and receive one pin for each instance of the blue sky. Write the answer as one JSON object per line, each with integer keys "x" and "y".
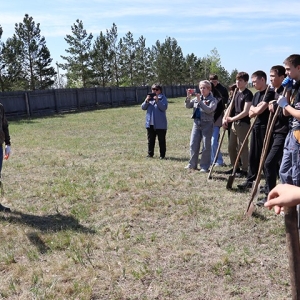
{"x": 249, "y": 35}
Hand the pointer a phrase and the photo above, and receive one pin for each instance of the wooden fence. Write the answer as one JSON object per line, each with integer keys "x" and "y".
{"x": 49, "y": 102}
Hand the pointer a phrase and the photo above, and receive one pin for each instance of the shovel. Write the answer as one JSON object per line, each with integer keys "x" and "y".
{"x": 293, "y": 248}
{"x": 227, "y": 113}
{"x": 232, "y": 176}
{"x": 254, "y": 194}
{"x": 254, "y": 191}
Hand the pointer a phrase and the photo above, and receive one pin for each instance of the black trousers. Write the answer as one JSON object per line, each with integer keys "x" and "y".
{"x": 273, "y": 159}
{"x": 255, "y": 149}
{"x": 161, "y": 135}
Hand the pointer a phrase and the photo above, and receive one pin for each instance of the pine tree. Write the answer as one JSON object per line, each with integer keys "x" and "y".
{"x": 101, "y": 58}
{"x": 11, "y": 75}
{"x": 78, "y": 63}
{"x": 143, "y": 63}
{"x": 114, "y": 53}
{"x": 35, "y": 56}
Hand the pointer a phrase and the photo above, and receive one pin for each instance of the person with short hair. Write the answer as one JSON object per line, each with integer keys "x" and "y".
{"x": 260, "y": 109}
{"x": 279, "y": 133}
{"x": 240, "y": 121}
{"x": 218, "y": 116}
{"x": 156, "y": 119}
{"x": 214, "y": 79}
{"x": 204, "y": 105}
{"x": 289, "y": 171}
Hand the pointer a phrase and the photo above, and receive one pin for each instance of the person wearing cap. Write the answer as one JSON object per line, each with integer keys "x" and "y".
{"x": 156, "y": 105}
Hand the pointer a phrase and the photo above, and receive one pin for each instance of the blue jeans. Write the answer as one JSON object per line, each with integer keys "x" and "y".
{"x": 214, "y": 146}
{"x": 289, "y": 171}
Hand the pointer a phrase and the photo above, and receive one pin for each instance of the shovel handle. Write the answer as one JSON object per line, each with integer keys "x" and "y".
{"x": 293, "y": 249}
{"x": 227, "y": 113}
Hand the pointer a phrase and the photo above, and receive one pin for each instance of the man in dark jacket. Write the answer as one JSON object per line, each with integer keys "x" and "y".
{"x": 4, "y": 139}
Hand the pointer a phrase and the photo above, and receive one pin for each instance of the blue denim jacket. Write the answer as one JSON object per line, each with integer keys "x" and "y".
{"x": 159, "y": 112}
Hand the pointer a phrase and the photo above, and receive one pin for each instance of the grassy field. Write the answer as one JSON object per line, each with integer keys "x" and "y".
{"x": 93, "y": 218}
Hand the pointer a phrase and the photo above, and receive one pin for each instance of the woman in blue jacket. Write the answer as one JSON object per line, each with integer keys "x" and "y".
{"x": 156, "y": 120}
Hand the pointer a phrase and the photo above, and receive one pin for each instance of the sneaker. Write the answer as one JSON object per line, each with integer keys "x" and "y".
{"x": 261, "y": 202}
{"x": 203, "y": 170}
{"x": 229, "y": 172}
{"x": 161, "y": 157}
{"x": 190, "y": 168}
{"x": 4, "y": 208}
{"x": 220, "y": 165}
{"x": 262, "y": 190}
{"x": 149, "y": 156}
{"x": 245, "y": 185}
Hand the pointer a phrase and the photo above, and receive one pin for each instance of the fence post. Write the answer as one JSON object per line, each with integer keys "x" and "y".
{"x": 77, "y": 99}
{"x": 55, "y": 100}
{"x": 27, "y": 105}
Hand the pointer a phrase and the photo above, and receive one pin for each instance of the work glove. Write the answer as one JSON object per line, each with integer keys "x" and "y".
{"x": 282, "y": 101}
{"x": 7, "y": 152}
{"x": 288, "y": 83}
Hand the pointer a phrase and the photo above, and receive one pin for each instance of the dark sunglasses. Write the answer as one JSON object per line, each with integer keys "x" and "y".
{"x": 155, "y": 89}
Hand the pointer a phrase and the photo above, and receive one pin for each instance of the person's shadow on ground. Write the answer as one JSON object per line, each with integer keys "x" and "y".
{"x": 47, "y": 223}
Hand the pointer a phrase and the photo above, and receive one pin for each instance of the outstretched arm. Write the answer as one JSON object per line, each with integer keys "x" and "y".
{"x": 283, "y": 195}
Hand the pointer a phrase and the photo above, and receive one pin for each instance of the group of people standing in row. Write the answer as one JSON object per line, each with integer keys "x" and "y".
{"x": 235, "y": 109}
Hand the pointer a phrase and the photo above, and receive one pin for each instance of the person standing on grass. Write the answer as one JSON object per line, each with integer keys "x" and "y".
{"x": 218, "y": 116}
{"x": 204, "y": 106}
{"x": 156, "y": 120}
{"x": 259, "y": 108}
{"x": 279, "y": 133}
{"x": 4, "y": 139}
{"x": 289, "y": 171}
{"x": 214, "y": 79}
{"x": 240, "y": 124}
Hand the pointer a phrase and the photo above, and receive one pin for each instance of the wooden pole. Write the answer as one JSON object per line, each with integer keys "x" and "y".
{"x": 293, "y": 249}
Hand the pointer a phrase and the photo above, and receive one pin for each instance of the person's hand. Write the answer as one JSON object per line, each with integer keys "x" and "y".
{"x": 283, "y": 195}
{"x": 7, "y": 152}
{"x": 189, "y": 92}
{"x": 282, "y": 101}
{"x": 198, "y": 97}
{"x": 288, "y": 83}
{"x": 229, "y": 120}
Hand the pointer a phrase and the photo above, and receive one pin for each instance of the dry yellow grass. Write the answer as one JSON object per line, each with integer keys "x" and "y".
{"x": 93, "y": 218}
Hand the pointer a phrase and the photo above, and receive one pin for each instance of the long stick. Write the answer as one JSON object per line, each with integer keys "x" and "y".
{"x": 250, "y": 207}
{"x": 293, "y": 248}
{"x": 227, "y": 114}
{"x": 232, "y": 176}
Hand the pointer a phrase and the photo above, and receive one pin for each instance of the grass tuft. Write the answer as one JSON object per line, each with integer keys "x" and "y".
{"x": 93, "y": 218}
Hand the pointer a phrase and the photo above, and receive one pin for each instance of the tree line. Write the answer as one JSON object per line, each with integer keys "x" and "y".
{"x": 106, "y": 61}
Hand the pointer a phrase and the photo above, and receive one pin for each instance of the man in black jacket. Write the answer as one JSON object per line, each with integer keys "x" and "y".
{"x": 221, "y": 94}
{"x": 4, "y": 139}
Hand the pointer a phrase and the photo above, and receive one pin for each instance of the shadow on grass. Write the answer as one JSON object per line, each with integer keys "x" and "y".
{"x": 219, "y": 178}
{"x": 177, "y": 158}
{"x": 257, "y": 215}
{"x": 38, "y": 242}
{"x": 54, "y": 223}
